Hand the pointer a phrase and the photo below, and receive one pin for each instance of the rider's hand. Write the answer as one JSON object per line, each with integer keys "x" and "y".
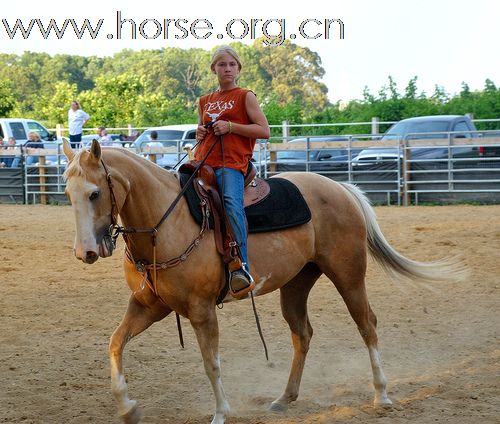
{"x": 201, "y": 132}
{"x": 221, "y": 127}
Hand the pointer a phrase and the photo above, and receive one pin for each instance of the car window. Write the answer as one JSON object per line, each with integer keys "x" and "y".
{"x": 17, "y": 129}
{"x": 331, "y": 153}
{"x": 462, "y": 126}
{"x": 291, "y": 155}
{"x": 163, "y": 135}
{"x": 36, "y": 127}
{"x": 402, "y": 129}
{"x": 191, "y": 135}
{"x": 166, "y": 138}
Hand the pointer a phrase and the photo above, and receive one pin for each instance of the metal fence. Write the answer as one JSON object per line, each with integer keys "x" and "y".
{"x": 452, "y": 170}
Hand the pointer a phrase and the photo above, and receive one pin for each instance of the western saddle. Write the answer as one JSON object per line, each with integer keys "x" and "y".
{"x": 205, "y": 185}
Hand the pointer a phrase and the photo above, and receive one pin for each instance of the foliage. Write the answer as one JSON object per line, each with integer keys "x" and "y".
{"x": 157, "y": 87}
{"x": 7, "y": 99}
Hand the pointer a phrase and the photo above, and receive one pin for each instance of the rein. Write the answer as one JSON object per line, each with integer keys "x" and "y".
{"x": 115, "y": 230}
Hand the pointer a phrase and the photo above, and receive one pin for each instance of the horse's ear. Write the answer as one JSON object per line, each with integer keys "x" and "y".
{"x": 95, "y": 149}
{"x": 68, "y": 151}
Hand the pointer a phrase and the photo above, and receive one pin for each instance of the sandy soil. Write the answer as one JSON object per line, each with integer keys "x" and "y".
{"x": 439, "y": 343}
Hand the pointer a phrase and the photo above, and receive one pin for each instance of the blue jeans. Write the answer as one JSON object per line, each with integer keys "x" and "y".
{"x": 233, "y": 201}
{"x": 75, "y": 140}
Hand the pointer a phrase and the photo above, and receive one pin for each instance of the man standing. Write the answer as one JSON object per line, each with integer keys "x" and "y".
{"x": 76, "y": 120}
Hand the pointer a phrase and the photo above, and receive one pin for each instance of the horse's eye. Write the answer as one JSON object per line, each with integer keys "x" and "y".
{"x": 94, "y": 195}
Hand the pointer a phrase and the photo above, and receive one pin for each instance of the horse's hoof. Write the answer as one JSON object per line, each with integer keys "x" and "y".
{"x": 384, "y": 402}
{"x": 278, "y": 408}
{"x": 133, "y": 416}
{"x": 386, "y": 406}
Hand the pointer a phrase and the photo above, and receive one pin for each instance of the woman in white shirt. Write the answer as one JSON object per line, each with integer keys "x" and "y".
{"x": 76, "y": 120}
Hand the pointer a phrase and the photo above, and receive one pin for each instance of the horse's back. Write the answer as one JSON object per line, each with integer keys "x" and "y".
{"x": 336, "y": 217}
{"x": 325, "y": 196}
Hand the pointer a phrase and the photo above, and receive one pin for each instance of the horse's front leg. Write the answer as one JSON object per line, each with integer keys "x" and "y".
{"x": 204, "y": 321}
{"x": 137, "y": 319}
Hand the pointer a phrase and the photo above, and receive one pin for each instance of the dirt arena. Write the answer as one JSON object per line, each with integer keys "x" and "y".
{"x": 439, "y": 342}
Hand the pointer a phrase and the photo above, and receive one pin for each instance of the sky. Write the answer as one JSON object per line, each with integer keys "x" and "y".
{"x": 442, "y": 42}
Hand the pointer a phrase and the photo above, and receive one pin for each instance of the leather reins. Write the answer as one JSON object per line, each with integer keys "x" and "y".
{"x": 115, "y": 230}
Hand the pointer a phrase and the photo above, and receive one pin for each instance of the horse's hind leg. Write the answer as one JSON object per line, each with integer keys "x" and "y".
{"x": 137, "y": 319}
{"x": 350, "y": 282}
{"x": 294, "y": 296}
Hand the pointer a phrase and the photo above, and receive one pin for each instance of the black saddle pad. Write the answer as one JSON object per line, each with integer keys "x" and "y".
{"x": 285, "y": 207}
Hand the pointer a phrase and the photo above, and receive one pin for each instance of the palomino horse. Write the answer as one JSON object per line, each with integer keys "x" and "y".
{"x": 335, "y": 243}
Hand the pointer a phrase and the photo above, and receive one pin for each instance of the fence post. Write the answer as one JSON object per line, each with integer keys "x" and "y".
{"x": 41, "y": 167}
{"x": 129, "y": 126}
{"x": 375, "y": 125}
{"x": 406, "y": 171}
{"x": 286, "y": 131}
{"x": 59, "y": 130}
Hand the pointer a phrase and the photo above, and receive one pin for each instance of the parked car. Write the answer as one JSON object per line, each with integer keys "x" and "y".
{"x": 432, "y": 127}
{"x": 439, "y": 126}
{"x": 376, "y": 156}
{"x": 20, "y": 127}
{"x": 178, "y": 136}
{"x": 429, "y": 127}
{"x": 490, "y": 150}
{"x": 116, "y": 139}
{"x": 321, "y": 160}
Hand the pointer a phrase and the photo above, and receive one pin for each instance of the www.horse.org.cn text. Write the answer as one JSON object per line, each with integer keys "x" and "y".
{"x": 273, "y": 31}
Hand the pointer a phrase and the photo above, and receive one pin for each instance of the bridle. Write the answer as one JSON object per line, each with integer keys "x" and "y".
{"x": 115, "y": 229}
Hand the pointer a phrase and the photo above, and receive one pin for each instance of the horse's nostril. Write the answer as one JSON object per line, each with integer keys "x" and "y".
{"x": 91, "y": 257}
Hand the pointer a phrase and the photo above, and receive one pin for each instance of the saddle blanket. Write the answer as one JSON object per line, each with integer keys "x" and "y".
{"x": 285, "y": 207}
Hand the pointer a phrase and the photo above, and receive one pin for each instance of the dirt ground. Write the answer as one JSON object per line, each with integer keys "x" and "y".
{"x": 439, "y": 342}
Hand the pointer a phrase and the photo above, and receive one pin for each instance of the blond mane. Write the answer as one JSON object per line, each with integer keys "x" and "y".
{"x": 74, "y": 168}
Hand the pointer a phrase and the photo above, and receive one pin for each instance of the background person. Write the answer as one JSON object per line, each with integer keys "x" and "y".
{"x": 77, "y": 118}
{"x": 10, "y": 145}
{"x": 104, "y": 137}
{"x": 34, "y": 142}
{"x": 235, "y": 114}
{"x": 15, "y": 161}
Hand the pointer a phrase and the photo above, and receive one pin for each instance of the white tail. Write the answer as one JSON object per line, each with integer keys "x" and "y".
{"x": 395, "y": 263}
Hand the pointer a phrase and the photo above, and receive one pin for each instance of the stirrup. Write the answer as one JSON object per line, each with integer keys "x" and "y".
{"x": 240, "y": 283}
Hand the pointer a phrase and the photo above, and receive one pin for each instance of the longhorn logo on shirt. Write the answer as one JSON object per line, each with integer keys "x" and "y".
{"x": 213, "y": 116}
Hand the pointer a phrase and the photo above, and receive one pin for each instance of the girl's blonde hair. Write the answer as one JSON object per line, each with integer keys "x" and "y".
{"x": 225, "y": 50}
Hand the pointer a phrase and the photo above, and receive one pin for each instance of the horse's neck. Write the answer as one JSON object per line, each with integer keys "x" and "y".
{"x": 151, "y": 191}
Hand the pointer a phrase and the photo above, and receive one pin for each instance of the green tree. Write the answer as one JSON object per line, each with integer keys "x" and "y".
{"x": 7, "y": 99}
{"x": 112, "y": 102}
{"x": 53, "y": 107}
{"x": 292, "y": 73}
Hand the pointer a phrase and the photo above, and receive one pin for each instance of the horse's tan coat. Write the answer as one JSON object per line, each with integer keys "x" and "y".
{"x": 333, "y": 243}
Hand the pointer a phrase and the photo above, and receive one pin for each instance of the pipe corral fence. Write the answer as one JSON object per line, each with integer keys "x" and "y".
{"x": 452, "y": 170}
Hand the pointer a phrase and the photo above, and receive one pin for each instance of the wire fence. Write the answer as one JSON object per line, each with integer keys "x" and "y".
{"x": 401, "y": 172}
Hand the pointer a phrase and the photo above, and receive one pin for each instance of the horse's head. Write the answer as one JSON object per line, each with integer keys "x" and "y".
{"x": 91, "y": 198}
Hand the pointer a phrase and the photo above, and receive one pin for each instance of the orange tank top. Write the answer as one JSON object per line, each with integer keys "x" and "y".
{"x": 226, "y": 106}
